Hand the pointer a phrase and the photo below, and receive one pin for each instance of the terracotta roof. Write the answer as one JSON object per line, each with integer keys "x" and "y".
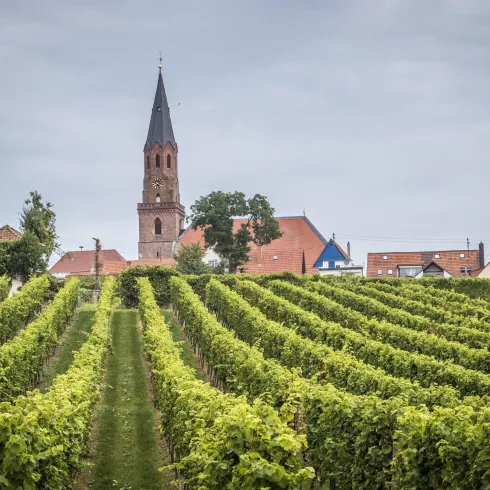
{"x": 298, "y": 234}
{"x": 449, "y": 260}
{"x": 81, "y": 262}
{"x": 268, "y": 260}
{"x": 8, "y": 234}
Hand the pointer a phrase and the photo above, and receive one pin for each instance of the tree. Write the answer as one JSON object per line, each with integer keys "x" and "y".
{"x": 23, "y": 258}
{"x": 38, "y": 218}
{"x": 214, "y": 215}
{"x": 189, "y": 260}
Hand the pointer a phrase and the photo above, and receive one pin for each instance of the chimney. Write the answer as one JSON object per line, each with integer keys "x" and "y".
{"x": 348, "y": 250}
{"x": 482, "y": 255}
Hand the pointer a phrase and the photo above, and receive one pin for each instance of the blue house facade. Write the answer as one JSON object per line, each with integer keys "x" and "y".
{"x": 334, "y": 261}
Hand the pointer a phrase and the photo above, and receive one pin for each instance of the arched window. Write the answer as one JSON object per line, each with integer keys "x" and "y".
{"x": 148, "y": 162}
{"x": 169, "y": 162}
{"x": 158, "y": 226}
{"x": 157, "y": 199}
{"x": 157, "y": 160}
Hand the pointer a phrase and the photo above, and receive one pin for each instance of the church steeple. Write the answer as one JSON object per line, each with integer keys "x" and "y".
{"x": 160, "y": 130}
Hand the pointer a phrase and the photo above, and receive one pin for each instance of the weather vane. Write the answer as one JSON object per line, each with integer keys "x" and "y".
{"x": 160, "y": 65}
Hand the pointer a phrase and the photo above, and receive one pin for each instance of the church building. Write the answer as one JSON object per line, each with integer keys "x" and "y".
{"x": 161, "y": 216}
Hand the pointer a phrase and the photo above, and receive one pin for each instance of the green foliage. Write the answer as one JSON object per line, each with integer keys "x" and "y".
{"x": 475, "y": 288}
{"x": 189, "y": 260}
{"x": 339, "y": 368}
{"x": 24, "y": 258}
{"x": 214, "y": 215}
{"x": 4, "y": 287}
{"x": 38, "y": 218}
{"x": 218, "y": 440}
{"x": 21, "y": 307}
{"x": 43, "y": 437}
{"x": 469, "y": 382}
{"x": 22, "y": 358}
{"x": 158, "y": 277}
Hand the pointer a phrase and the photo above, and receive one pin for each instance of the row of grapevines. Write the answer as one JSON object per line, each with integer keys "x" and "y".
{"x": 15, "y": 311}
{"x": 416, "y": 367}
{"x": 4, "y": 287}
{"x": 415, "y": 307}
{"x": 367, "y": 442}
{"x": 469, "y": 382}
{"x": 339, "y": 368}
{"x": 375, "y": 309}
{"x": 217, "y": 440}
{"x": 404, "y": 338}
{"x": 43, "y": 436}
{"x": 22, "y": 358}
{"x": 478, "y": 316}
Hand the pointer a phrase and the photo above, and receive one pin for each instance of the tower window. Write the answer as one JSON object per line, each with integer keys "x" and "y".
{"x": 157, "y": 161}
{"x": 157, "y": 199}
{"x": 171, "y": 195}
{"x": 158, "y": 226}
{"x": 169, "y": 162}
{"x": 147, "y": 162}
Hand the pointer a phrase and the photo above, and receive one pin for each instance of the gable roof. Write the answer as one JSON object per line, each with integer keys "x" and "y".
{"x": 268, "y": 260}
{"x": 160, "y": 130}
{"x": 434, "y": 263}
{"x": 81, "y": 262}
{"x": 298, "y": 234}
{"x": 332, "y": 251}
{"x": 9, "y": 234}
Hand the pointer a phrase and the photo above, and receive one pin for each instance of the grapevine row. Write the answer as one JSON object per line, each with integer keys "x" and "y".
{"x": 22, "y": 358}
{"x": 399, "y": 337}
{"x": 4, "y": 287}
{"x": 15, "y": 311}
{"x": 44, "y": 435}
{"x": 416, "y": 367}
{"x": 478, "y": 316}
{"x": 217, "y": 440}
{"x": 337, "y": 367}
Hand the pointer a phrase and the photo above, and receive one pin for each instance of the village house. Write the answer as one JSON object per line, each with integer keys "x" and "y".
{"x": 443, "y": 263}
{"x": 333, "y": 261}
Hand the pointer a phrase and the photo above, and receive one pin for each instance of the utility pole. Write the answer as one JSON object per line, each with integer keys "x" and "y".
{"x": 97, "y": 268}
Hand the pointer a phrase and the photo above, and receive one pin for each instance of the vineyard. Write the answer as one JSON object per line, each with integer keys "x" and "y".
{"x": 238, "y": 382}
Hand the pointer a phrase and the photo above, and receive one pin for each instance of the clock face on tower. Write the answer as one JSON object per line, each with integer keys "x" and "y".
{"x": 157, "y": 182}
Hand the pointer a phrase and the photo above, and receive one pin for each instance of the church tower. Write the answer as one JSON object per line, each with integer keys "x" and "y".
{"x": 161, "y": 216}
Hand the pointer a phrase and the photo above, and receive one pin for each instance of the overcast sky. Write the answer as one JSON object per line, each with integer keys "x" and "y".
{"x": 371, "y": 115}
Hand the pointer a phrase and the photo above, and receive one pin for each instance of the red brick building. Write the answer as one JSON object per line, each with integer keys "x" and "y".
{"x": 9, "y": 234}
{"x": 444, "y": 263}
{"x": 161, "y": 216}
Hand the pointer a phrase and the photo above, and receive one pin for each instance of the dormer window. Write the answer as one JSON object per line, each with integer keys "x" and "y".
{"x": 385, "y": 257}
{"x": 437, "y": 256}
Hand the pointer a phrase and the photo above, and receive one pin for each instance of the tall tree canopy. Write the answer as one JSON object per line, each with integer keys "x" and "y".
{"x": 30, "y": 255}
{"x": 38, "y": 217}
{"x": 214, "y": 214}
{"x": 189, "y": 260}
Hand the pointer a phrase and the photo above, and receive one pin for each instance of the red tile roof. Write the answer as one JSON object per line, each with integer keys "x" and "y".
{"x": 8, "y": 234}
{"x": 265, "y": 259}
{"x": 449, "y": 260}
{"x": 81, "y": 262}
{"x": 299, "y": 234}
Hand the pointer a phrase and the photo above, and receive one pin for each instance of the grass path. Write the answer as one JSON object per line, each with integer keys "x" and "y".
{"x": 71, "y": 340}
{"x": 126, "y": 450}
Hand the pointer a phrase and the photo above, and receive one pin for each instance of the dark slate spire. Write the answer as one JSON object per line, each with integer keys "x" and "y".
{"x": 160, "y": 130}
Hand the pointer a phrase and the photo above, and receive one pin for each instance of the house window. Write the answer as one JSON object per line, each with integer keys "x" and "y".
{"x": 213, "y": 263}
{"x": 169, "y": 162}
{"x": 380, "y": 271}
{"x": 157, "y": 199}
{"x": 385, "y": 257}
{"x": 409, "y": 271}
{"x": 390, "y": 272}
{"x": 158, "y": 226}
{"x": 275, "y": 257}
{"x": 466, "y": 270}
{"x": 437, "y": 256}
{"x": 461, "y": 255}
{"x": 157, "y": 161}
{"x": 147, "y": 162}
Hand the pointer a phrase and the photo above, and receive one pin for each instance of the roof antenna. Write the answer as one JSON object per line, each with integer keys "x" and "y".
{"x": 81, "y": 247}
{"x": 333, "y": 236}
{"x": 160, "y": 64}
